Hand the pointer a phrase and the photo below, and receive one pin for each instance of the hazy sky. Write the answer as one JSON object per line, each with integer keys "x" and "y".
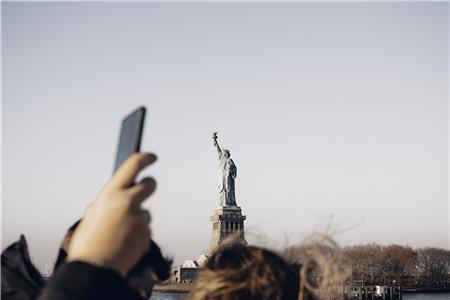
{"x": 327, "y": 108}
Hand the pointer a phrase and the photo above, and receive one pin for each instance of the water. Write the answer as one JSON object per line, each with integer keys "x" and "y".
{"x": 438, "y": 296}
{"x": 167, "y": 296}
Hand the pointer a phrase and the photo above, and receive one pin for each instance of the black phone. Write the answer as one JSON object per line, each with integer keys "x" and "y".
{"x": 152, "y": 267}
{"x": 130, "y": 135}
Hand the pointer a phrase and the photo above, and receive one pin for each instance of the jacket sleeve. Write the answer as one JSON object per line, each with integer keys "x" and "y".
{"x": 78, "y": 280}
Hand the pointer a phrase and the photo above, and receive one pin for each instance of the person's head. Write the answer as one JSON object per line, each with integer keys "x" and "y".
{"x": 246, "y": 272}
{"x": 226, "y": 153}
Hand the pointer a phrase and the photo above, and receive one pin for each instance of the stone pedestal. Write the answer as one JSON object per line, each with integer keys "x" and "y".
{"x": 228, "y": 221}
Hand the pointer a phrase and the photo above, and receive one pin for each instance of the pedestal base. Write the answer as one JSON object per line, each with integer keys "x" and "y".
{"x": 228, "y": 222}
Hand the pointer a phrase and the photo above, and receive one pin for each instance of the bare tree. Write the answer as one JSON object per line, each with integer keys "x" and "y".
{"x": 433, "y": 267}
{"x": 399, "y": 263}
{"x": 367, "y": 261}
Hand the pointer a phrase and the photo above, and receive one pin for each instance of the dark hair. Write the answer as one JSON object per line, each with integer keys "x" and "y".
{"x": 237, "y": 271}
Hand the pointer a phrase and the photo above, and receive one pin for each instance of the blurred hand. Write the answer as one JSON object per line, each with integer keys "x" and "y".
{"x": 114, "y": 231}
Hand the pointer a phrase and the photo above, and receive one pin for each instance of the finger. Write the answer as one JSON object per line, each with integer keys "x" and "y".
{"x": 89, "y": 210}
{"x": 144, "y": 216}
{"x": 141, "y": 191}
{"x": 146, "y": 239}
{"x": 142, "y": 234}
{"x": 125, "y": 175}
{"x": 148, "y": 235}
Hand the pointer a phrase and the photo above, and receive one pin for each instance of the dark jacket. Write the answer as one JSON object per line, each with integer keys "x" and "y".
{"x": 20, "y": 279}
{"x": 78, "y": 280}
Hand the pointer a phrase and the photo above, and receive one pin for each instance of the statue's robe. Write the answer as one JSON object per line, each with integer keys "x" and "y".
{"x": 227, "y": 174}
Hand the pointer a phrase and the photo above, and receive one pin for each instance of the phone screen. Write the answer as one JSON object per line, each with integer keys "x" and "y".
{"x": 130, "y": 136}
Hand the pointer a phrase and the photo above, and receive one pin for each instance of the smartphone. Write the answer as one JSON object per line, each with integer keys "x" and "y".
{"x": 130, "y": 135}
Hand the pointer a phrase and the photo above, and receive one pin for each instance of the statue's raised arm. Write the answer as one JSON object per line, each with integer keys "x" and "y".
{"x": 216, "y": 144}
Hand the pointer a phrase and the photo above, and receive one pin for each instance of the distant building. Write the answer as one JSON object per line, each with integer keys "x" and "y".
{"x": 183, "y": 274}
{"x": 188, "y": 271}
{"x": 190, "y": 264}
{"x": 202, "y": 260}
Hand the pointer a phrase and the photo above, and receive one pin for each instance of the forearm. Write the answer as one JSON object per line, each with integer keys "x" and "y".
{"x": 79, "y": 280}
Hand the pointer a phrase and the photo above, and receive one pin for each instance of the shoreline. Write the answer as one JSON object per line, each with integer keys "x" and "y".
{"x": 173, "y": 287}
{"x": 176, "y": 287}
{"x": 425, "y": 290}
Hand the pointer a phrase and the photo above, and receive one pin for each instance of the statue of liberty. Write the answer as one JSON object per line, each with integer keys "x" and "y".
{"x": 227, "y": 174}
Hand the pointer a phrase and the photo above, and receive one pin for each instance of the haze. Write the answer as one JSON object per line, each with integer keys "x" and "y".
{"x": 327, "y": 108}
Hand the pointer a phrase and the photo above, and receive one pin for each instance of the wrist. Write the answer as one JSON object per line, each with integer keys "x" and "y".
{"x": 97, "y": 262}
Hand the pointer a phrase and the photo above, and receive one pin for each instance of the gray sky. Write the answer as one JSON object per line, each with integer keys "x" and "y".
{"x": 327, "y": 108}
